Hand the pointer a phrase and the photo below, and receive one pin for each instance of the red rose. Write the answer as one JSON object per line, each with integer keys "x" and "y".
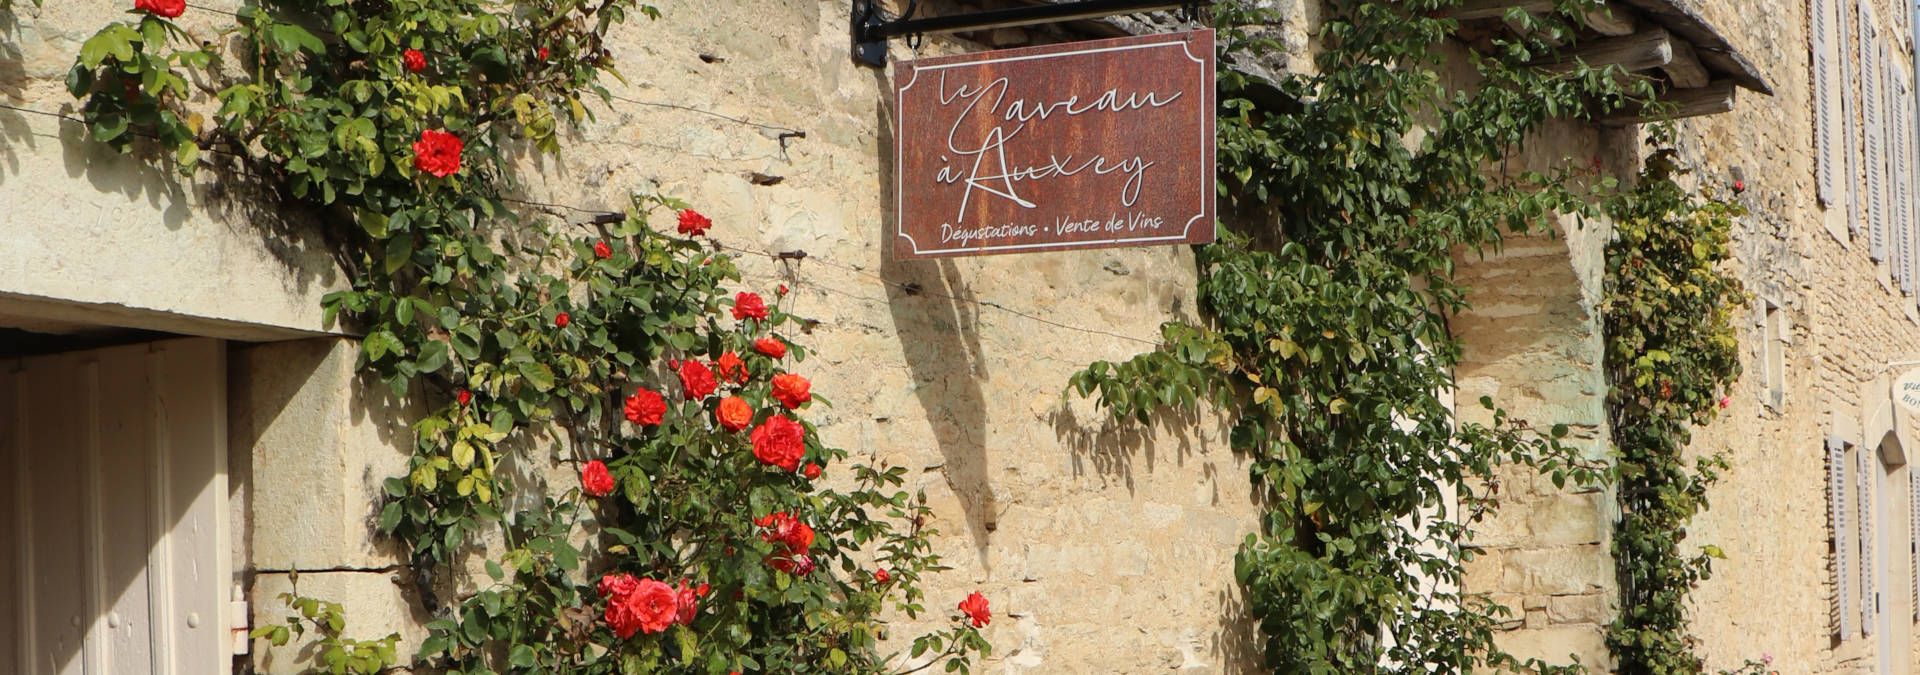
{"x": 647, "y": 606}
{"x": 771, "y": 347}
{"x": 161, "y": 8}
{"x": 561, "y": 320}
{"x": 779, "y": 442}
{"x": 696, "y": 380}
{"x": 749, "y": 306}
{"x": 782, "y": 290}
{"x": 413, "y": 60}
{"x": 812, "y": 471}
{"x": 786, "y": 530}
{"x": 542, "y": 53}
{"x": 1739, "y": 186}
{"x": 646, "y": 408}
{"x": 595, "y": 480}
{"x": 731, "y": 368}
{"x": 1724, "y": 402}
{"x": 792, "y": 390}
{"x": 693, "y": 224}
{"x": 975, "y": 607}
{"x": 437, "y": 153}
{"x": 601, "y": 250}
{"x": 733, "y": 414}
{"x": 614, "y": 585}
{"x": 463, "y": 396}
{"x": 688, "y": 599}
{"x": 798, "y": 565}
{"x": 881, "y": 575}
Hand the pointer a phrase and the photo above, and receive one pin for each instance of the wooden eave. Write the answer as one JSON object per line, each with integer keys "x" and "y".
{"x": 1699, "y": 72}
{"x": 1713, "y": 49}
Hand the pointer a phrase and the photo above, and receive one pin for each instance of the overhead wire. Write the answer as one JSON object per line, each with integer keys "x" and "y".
{"x": 603, "y": 215}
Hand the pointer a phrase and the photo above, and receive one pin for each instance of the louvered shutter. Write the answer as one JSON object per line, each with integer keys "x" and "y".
{"x": 1858, "y": 112}
{"x": 1873, "y": 91}
{"x": 1840, "y": 533}
{"x": 1913, "y": 538}
{"x": 1863, "y": 500}
{"x": 1901, "y": 175}
{"x": 1896, "y": 152}
{"x": 1823, "y": 103}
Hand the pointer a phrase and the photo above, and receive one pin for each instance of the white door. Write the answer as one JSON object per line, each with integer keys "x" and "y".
{"x": 1892, "y": 576}
{"x": 113, "y": 492}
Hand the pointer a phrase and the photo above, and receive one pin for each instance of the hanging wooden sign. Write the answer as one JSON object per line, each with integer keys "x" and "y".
{"x": 1083, "y": 145}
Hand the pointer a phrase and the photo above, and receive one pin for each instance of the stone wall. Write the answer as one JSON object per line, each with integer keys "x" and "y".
{"x": 1102, "y": 550}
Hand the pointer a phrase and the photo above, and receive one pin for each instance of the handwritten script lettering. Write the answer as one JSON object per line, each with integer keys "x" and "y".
{"x": 988, "y": 169}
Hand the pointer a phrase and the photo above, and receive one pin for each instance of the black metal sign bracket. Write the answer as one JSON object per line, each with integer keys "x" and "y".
{"x": 872, "y": 28}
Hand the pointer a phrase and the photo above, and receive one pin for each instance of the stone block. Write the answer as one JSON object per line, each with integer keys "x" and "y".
{"x": 375, "y": 604}
{"x": 1593, "y": 608}
{"x": 1567, "y": 519}
{"x": 320, "y": 442}
{"x": 1559, "y": 645}
{"x": 1561, "y": 571}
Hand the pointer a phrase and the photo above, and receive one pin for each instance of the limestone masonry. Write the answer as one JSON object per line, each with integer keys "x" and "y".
{"x": 1104, "y": 550}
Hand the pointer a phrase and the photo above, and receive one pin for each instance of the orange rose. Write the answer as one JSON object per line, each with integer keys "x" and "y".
{"x": 733, "y": 414}
{"x": 792, "y": 390}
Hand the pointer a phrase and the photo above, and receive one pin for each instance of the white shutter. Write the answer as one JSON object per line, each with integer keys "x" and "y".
{"x": 1873, "y": 90}
{"x": 1841, "y": 537}
{"x": 1913, "y": 538}
{"x": 1902, "y": 173}
{"x": 1822, "y": 102}
{"x": 1863, "y": 493}
{"x": 117, "y": 521}
{"x": 1893, "y": 211}
{"x": 1858, "y": 116}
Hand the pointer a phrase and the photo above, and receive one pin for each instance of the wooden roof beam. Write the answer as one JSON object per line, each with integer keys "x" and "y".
{"x": 1685, "y": 70}
{"x": 1644, "y": 50}
{"x": 1713, "y": 99}
{"x": 1611, "y": 20}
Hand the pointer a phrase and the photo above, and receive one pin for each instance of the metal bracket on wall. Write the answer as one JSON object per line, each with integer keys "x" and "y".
{"x": 872, "y": 27}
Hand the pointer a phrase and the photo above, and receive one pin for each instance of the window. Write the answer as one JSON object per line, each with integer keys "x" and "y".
{"x": 1772, "y": 361}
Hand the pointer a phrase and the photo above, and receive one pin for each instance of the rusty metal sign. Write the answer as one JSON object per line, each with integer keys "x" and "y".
{"x": 1083, "y": 145}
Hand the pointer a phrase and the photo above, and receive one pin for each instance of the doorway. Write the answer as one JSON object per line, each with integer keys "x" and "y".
{"x": 1893, "y": 572}
{"x": 114, "y": 554}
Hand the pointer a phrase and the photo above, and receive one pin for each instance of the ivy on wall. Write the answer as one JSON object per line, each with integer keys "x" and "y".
{"x": 1671, "y": 355}
{"x": 1325, "y": 335}
{"x": 701, "y": 525}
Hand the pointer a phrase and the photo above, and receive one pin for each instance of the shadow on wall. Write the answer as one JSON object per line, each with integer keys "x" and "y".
{"x": 1112, "y": 445}
{"x": 938, "y": 325}
{"x": 228, "y": 192}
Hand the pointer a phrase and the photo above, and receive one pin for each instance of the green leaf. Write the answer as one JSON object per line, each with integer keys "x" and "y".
{"x": 521, "y": 657}
{"x": 290, "y": 38}
{"x": 379, "y": 344}
{"x": 433, "y": 356}
{"x": 537, "y": 374}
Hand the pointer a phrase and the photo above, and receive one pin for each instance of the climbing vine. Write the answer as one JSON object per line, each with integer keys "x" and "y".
{"x": 703, "y": 526}
{"x": 1671, "y": 355}
{"x": 1324, "y": 335}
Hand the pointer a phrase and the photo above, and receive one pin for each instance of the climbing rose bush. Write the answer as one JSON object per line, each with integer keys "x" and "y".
{"x": 693, "y": 537}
